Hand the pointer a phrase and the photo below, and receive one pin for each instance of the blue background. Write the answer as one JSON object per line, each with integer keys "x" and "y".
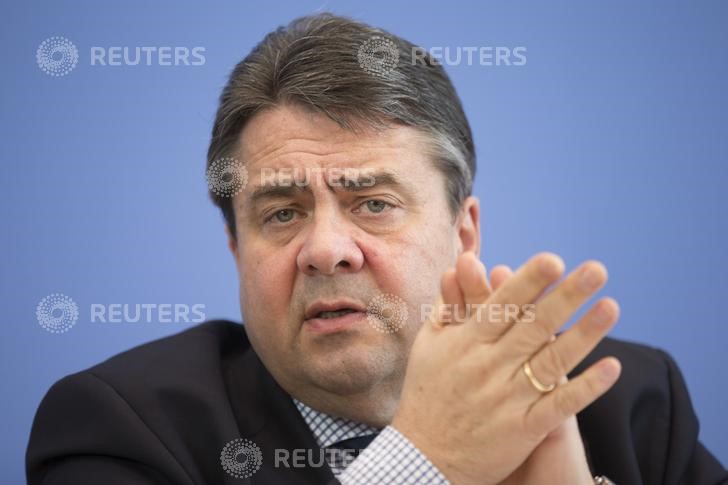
{"x": 610, "y": 143}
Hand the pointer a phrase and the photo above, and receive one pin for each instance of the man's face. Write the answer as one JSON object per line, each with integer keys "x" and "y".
{"x": 308, "y": 244}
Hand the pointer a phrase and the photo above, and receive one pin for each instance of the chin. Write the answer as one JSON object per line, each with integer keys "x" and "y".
{"x": 350, "y": 371}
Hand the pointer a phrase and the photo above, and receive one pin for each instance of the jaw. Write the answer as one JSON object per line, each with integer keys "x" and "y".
{"x": 348, "y": 374}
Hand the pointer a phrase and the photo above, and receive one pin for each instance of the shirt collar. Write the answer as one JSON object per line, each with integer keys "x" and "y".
{"x": 328, "y": 430}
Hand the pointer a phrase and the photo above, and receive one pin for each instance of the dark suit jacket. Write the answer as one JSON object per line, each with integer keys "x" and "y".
{"x": 162, "y": 413}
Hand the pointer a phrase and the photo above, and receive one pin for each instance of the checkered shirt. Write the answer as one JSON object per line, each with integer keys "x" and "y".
{"x": 390, "y": 458}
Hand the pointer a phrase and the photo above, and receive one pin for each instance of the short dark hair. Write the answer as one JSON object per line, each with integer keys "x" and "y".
{"x": 316, "y": 62}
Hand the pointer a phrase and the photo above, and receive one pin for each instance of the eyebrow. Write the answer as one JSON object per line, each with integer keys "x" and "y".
{"x": 343, "y": 184}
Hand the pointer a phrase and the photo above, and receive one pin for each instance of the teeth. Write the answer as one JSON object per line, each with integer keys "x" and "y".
{"x": 335, "y": 314}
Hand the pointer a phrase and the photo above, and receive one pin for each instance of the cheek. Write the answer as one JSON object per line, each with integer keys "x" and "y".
{"x": 410, "y": 263}
{"x": 423, "y": 248}
{"x": 266, "y": 282}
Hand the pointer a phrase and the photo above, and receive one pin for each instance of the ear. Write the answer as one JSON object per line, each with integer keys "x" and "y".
{"x": 468, "y": 226}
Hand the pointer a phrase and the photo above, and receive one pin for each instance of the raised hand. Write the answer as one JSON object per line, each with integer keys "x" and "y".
{"x": 467, "y": 403}
{"x": 560, "y": 457}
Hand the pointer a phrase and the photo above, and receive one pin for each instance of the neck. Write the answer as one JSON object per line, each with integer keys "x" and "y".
{"x": 374, "y": 406}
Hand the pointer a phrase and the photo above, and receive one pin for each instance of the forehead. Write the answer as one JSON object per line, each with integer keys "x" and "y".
{"x": 290, "y": 136}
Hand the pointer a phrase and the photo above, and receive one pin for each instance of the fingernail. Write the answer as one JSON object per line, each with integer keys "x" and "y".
{"x": 551, "y": 266}
{"x": 589, "y": 278}
{"x": 608, "y": 371}
{"x": 601, "y": 315}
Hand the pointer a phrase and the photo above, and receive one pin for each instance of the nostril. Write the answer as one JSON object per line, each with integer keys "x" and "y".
{"x": 327, "y": 269}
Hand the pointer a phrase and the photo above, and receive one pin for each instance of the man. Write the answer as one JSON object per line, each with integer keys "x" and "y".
{"x": 343, "y": 163}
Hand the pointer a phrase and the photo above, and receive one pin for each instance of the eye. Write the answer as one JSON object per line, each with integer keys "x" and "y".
{"x": 376, "y": 206}
{"x": 283, "y": 215}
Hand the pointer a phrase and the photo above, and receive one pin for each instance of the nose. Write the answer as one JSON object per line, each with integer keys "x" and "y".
{"x": 329, "y": 248}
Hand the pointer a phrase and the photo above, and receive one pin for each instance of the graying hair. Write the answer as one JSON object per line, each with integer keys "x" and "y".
{"x": 314, "y": 63}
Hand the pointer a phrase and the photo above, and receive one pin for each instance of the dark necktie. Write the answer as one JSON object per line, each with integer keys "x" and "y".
{"x": 345, "y": 451}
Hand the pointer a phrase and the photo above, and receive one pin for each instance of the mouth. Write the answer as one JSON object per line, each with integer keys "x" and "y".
{"x": 333, "y": 316}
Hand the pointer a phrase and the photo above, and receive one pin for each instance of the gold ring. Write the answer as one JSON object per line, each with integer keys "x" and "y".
{"x": 535, "y": 382}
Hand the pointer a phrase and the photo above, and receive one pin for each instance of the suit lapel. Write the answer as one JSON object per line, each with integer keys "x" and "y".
{"x": 266, "y": 415}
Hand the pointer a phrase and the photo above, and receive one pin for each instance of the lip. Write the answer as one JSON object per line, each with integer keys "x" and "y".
{"x": 331, "y": 306}
{"x": 338, "y": 324}
{"x": 330, "y": 325}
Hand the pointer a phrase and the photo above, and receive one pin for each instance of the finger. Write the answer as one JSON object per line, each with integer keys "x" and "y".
{"x": 472, "y": 278}
{"x": 431, "y": 316}
{"x": 499, "y": 275}
{"x": 555, "y": 309}
{"x": 526, "y": 284}
{"x": 530, "y": 280}
{"x": 556, "y": 360}
{"x": 452, "y": 306}
{"x": 550, "y": 411}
